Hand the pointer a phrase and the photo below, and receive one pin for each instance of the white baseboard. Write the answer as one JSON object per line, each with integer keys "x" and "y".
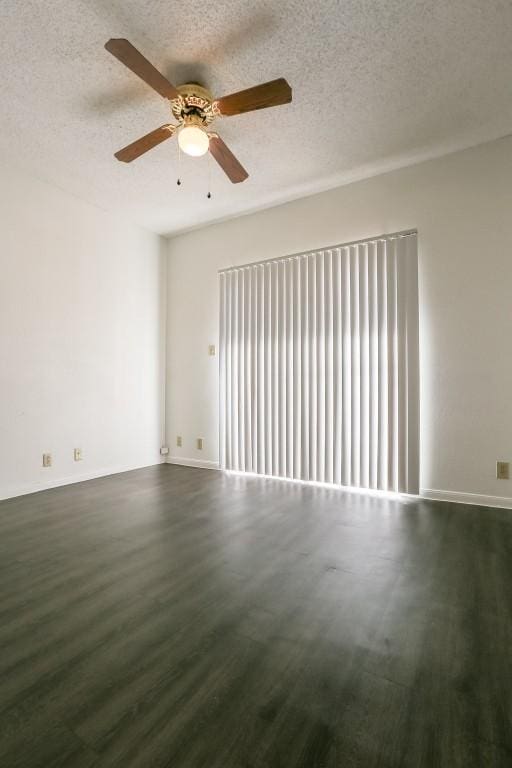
{"x": 47, "y": 485}
{"x": 467, "y": 498}
{"x": 200, "y": 463}
{"x": 427, "y": 493}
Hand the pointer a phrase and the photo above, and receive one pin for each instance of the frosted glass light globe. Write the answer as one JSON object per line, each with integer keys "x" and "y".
{"x": 193, "y": 140}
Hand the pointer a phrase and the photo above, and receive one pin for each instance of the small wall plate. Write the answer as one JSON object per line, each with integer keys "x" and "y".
{"x": 503, "y": 470}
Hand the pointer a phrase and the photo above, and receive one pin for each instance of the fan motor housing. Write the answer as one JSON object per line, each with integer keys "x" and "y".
{"x": 194, "y": 104}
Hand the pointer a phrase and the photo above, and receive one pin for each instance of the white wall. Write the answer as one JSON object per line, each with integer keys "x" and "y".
{"x": 462, "y": 207}
{"x": 82, "y": 318}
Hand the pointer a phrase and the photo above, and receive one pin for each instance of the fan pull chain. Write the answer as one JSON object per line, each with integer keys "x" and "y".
{"x": 209, "y": 177}
{"x": 178, "y": 182}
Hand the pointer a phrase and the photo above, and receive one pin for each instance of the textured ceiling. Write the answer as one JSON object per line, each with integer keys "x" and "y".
{"x": 376, "y": 84}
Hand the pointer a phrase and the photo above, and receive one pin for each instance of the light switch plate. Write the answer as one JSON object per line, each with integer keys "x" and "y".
{"x": 211, "y": 350}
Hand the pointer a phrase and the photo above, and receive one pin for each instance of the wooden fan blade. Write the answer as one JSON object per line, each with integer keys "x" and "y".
{"x": 147, "y": 142}
{"x": 260, "y": 97}
{"x": 227, "y": 161}
{"x": 131, "y": 58}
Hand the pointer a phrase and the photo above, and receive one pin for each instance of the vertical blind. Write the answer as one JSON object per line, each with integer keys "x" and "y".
{"x": 319, "y": 365}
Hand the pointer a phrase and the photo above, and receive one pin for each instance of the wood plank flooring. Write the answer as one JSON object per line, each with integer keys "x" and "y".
{"x": 181, "y": 618}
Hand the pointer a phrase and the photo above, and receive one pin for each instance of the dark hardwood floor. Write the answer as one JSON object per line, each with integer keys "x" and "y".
{"x": 183, "y": 618}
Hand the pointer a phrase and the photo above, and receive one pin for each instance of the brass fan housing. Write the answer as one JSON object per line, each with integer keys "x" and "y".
{"x": 194, "y": 105}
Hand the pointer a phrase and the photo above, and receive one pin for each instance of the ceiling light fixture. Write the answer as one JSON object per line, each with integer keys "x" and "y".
{"x": 194, "y": 109}
{"x": 193, "y": 140}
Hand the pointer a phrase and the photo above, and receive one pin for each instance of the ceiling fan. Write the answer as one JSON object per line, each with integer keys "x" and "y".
{"x": 195, "y": 109}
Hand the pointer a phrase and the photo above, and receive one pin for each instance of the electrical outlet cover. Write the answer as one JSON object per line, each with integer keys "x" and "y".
{"x": 503, "y": 470}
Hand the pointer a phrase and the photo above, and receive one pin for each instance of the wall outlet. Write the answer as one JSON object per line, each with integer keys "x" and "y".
{"x": 199, "y": 443}
{"x": 77, "y": 454}
{"x": 503, "y": 470}
{"x": 211, "y": 350}
{"x": 179, "y": 441}
{"x": 164, "y": 451}
{"x": 47, "y": 459}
